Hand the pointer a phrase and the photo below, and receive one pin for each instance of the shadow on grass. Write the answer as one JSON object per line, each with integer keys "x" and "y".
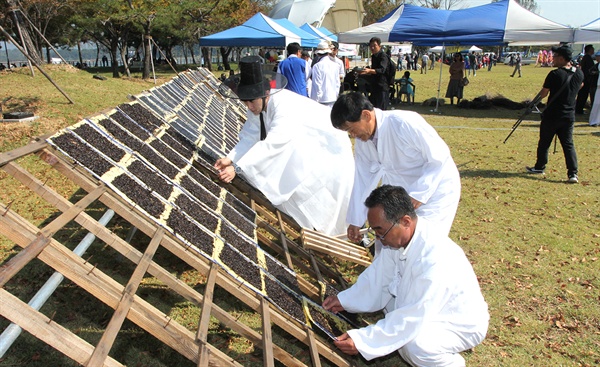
{"x": 483, "y": 173}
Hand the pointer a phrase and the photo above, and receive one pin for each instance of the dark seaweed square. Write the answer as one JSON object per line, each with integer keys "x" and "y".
{"x": 240, "y": 266}
{"x": 190, "y": 231}
{"x": 197, "y": 212}
{"x": 121, "y": 135}
{"x": 156, "y": 182}
{"x": 140, "y": 115}
{"x": 158, "y": 161}
{"x": 285, "y": 300}
{"x": 129, "y": 125}
{"x": 232, "y": 237}
{"x": 82, "y": 153}
{"x": 139, "y": 195}
{"x": 100, "y": 142}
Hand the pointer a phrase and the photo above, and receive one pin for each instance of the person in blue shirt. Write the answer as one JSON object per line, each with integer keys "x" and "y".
{"x": 294, "y": 69}
{"x": 406, "y": 87}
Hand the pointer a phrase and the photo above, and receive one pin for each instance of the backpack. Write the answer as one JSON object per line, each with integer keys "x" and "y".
{"x": 390, "y": 72}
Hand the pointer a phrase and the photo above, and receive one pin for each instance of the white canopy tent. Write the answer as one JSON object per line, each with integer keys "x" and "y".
{"x": 588, "y": 33}
{"x": 300, "y": 12}
{"x": 335, "y": 15}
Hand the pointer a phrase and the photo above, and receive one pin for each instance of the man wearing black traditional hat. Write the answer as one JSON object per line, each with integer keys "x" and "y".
{"x": 558, "y": 118}
{"x": 289, "y": 151}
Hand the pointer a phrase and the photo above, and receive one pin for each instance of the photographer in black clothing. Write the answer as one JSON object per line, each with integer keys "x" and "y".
{"x": 378, "y": 82}
{"x": 558, "y": 118}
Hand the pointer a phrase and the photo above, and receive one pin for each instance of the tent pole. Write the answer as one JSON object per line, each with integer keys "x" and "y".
{"x": 437, "y": 100}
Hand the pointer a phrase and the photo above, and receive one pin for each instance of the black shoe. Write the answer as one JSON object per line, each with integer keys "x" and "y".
{"x": 573, "y": 179}
{"x": 534, "y": 170}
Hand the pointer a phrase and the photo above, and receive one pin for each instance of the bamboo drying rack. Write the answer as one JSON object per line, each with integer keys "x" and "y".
{"x": 277, "y": 232}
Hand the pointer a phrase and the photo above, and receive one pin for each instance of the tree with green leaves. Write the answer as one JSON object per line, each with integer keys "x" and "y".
{"x": 24, "y": 33}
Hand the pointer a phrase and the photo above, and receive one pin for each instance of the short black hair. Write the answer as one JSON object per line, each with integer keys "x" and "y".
{"x": 376, "y": 40}
{"x": 335, "y": 45}
{"x": 348, "y": 108}
{"x": 394, "y": 200}
{"x": 293, "y": 48}
{"x": 587, "y": 48}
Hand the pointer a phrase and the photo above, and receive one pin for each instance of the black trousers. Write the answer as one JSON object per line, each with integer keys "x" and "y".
{"x": 379, "y": 97}
{"x": 564, "y": 130}
{"x": 582, "y": 97}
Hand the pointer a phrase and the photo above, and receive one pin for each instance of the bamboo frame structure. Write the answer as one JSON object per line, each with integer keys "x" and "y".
{"x": 299, "y": 248}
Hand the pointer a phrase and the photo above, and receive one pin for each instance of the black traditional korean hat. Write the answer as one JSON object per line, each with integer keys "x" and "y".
{"x": 253, "y": 81}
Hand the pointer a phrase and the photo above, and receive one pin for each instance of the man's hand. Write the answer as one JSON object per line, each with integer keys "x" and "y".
{"x": 353, "y": 234}
{"x": 368, "y": 71}
{"x": 332, "y": 303}
{"x": 346, "y": 344}
{"x": 225, "y": 168}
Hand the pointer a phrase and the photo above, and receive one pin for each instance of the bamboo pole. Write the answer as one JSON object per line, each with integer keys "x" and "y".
{"x": 8, "y": 36}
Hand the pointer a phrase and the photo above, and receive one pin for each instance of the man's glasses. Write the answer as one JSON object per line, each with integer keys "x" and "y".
{"x": 380, "y": 238}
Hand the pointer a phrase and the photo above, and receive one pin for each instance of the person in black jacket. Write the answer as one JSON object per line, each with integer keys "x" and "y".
{"x": 586, "y": 65}
{"x": 378, "y": 82}
{"x": 559, "y": 116}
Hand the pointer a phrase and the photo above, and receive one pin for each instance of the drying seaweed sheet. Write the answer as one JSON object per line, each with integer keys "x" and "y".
{"x": 329, "y": 323}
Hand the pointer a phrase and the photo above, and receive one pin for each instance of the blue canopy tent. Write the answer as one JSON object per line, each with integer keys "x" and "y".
{"x": 501, "y": 23}
{"x": 316, "y": 32}
{"x": 328, "y": 33}
{"x": 258, "y": 31}
{"x": 306, "y": 39}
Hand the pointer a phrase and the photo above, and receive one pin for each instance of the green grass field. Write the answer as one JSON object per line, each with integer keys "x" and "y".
{"x": 534, "y": 241}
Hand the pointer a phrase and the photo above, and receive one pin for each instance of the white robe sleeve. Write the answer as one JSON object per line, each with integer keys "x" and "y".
{"x": 440, "y": 288}
{"x": 366, "y": 177}
{"x": 371, "y": 292}
{"x": 435, "y": 154}
{"x": 249, "y": 135}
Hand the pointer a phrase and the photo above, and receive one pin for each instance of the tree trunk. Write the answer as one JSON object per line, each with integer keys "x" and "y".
{"x": 114, "y": 48}
{"x": 124, "y": 57}
{"x": 23, "y": 29}
{"x": 97, "y": 55}
{"x": 80, "y": 55}
{"x": 206, "y": 55}
{"x": 193, "y": 55}
{"x": 147, "y": 56}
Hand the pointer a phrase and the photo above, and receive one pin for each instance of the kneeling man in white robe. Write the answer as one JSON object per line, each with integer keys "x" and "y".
{"x": 424, "y": 282}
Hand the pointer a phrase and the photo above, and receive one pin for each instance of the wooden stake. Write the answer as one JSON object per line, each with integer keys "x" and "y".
{"x": 34, "y": 63}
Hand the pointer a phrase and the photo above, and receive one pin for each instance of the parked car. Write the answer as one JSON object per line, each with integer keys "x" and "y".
{"x": 505, "y": 59}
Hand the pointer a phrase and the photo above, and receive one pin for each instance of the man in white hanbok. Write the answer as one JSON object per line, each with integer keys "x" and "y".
{"x": 424, "y": 282}
{"x": 289, "y": 151}
{"x": 398, "y": 148}
{"x": 325, "y": 77}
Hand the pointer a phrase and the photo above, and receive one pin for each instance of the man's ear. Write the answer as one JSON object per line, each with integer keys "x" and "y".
{"x": 365, "y": 115}
{"x": 405, "y": 221}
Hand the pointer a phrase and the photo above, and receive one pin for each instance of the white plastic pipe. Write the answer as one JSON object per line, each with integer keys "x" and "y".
{"x": 12, "y": 332}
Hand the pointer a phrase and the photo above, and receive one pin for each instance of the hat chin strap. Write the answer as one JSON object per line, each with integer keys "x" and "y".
{"x": 264, "y": 104}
